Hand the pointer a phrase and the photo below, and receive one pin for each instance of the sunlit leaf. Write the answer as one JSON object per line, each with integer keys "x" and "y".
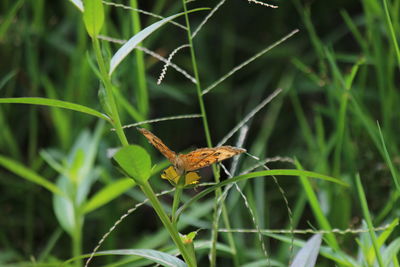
{"x": 54, "y": 103}
{"x": 138, "y": 38}
{"x": 93, "y": 16}
{"x": 307, "y": 256}
{"x": 134, "y": 161}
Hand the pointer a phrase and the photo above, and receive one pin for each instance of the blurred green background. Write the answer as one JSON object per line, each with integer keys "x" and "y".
{"x": 339, "y": 76}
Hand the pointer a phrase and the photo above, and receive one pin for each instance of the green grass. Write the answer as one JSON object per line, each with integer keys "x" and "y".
{"x": 335, "y": 115}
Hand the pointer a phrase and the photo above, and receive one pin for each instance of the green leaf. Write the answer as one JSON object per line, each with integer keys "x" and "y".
{"x": 22, "y": 171}
{"x": 78, "y": 4}
{"x": 139, "y": 37}
{"x": 389, "y": 162}
{"x": 76, "y": 179}
{"x": 368, "y": 219}
{"x": 307, "y": 256}
{"x": 338, "y": 256}
{"x": 135, "y": 162}
{"x": 93, "y": 16}
{"x": 156, "y": 256}
{"x": 317, "y": 209}
{"x": 108, "y": 193}
{"x": 64, "y": 207}
{"x": 55, "y": 103}
{"x": 391, "y": 252}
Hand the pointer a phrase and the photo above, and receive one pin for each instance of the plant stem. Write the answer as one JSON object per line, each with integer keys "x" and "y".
{"x": 77, "y": 233}
{"x": 77, "y": 244}
{"x": 141, "y": 86}
{"x": 175, "y": 204}
{"x": 146, "y": 188}
{"x": 110, "y": 93}
{"x": 196, "y": 75}
{"x": 213, "y": 249}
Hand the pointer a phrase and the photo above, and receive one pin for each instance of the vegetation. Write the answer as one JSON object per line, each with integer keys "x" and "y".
{"x": 309, "y": 89}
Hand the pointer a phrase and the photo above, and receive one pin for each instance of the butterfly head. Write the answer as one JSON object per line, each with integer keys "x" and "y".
{"x": 179, "y": 165}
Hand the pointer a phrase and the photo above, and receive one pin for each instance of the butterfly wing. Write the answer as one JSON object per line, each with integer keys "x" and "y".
{"x": 157, "y": 143}
{"x": 204, "y": 157}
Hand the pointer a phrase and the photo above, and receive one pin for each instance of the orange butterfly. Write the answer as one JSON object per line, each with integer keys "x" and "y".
{"x": 194, "y": 160}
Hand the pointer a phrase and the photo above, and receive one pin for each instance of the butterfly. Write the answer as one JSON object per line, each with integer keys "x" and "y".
{"x": 197, "y": 159}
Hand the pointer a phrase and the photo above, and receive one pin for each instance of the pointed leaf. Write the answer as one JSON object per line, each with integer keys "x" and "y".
{"x": 93, "y": 16}
{"x": 391, "y": 252}
{"x": 156, "y": 256}
{"x": 108, "y": 193}
{"x": 22, "y": 171}
{"x": 54, "y": 103}
{"x": 63, "y": 206}
{"x": 138, "y": 38}
{"x": 307, "y": 256}
{"x": 78, "y": 4}
{"x": 134, "y": 161}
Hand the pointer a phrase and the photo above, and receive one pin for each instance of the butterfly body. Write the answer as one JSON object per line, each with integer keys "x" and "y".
{"x": 194, "y": 160}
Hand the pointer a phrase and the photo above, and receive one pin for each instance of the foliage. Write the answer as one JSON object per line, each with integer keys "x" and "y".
{"x": 68, "y": 86}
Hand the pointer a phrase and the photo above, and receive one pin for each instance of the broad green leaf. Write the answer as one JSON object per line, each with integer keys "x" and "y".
{"x": 54, "y": 103}
{"x": 78, "y": 175}
{"x": 307, "y": 256}
{"x": 64, "y": 207}
{"x": 93, "y": 16}
{"x": 81, "y": 161}
{"x": 135, "y": 162}
{"x": 22, "y": 171}
{"x": 76, "y": 166}
{"x": 108, "y": 193}
{"x": 139, "y": 37}
{"x": 156, "y": 256}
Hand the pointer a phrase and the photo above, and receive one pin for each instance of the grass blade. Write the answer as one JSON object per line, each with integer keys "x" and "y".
{"x": 139, "y": 37}
{"x": 367, "y": 217}
{"x": 108, "y": 193}
{"x": 8, "y": 19}
{"x": 317, "y": 210}
{"x": 392, "y": 32}
{"x": 389, "y": 160}
{"x": 55, "y": 103}
{"x": 23, "y": 172}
